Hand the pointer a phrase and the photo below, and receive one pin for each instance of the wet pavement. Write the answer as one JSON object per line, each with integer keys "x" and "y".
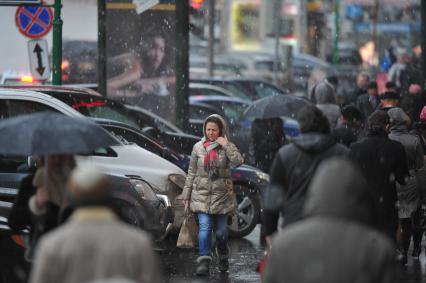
{"x": 179, "y": 264}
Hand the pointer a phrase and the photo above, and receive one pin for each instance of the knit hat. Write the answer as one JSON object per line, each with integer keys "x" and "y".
{"x": 414, "y": 89}
{"x": 390, "y": 95}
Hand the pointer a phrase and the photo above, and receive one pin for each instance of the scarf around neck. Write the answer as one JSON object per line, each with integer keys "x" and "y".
{"x": 211, "y": 159}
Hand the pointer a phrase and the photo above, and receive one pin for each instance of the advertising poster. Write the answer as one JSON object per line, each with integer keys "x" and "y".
{"x": 141, "y": 55}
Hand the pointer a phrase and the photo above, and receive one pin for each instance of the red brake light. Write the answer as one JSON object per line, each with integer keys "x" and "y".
{"x": 88, "y": 104}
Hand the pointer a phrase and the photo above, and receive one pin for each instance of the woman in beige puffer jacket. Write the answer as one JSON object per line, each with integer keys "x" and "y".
{"x": 208, "y": 190}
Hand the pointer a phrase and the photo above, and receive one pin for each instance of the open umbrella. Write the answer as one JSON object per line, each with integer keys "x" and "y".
{"x": 275, "y": 106}
{"x": 48, "y": 133}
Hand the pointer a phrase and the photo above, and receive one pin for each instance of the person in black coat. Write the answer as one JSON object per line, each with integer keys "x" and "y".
{"x": 268, "y": 137}
{"x": 382, "y": 162}
{"x": 349, "y": 129}
{"x": 368, "y": 102}
{"x": 294, "y": 167}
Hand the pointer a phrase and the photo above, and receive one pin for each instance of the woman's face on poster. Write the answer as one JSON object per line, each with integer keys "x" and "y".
{"x": 157, "y": 51}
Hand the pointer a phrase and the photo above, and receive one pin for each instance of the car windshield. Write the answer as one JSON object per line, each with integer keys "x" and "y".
{"x": 259, "y": 89}
{"x": 233, "y": 111}
{"x": 96, "y": 107}
{"x": 234, "y": 89}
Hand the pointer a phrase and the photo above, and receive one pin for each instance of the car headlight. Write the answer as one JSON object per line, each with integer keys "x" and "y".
{"x": 144, "y": 189}
{"x": 262, "y": 176}
{"x": 178, "y": 180}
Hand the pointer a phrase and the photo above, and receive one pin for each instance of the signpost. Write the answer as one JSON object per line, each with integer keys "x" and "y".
{"x": 33, "y": 21}
{"x": 39, "y": 59}
{"x": 19, "y": 2}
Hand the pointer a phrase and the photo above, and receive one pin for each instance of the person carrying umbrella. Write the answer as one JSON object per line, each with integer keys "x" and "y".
{"x": 56, "y": 137}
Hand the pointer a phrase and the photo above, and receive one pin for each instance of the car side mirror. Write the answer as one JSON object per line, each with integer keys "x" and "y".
{"x": 31, "y": 162}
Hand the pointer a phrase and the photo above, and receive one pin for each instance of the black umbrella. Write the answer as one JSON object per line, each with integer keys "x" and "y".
{"x": 48, "y": 133}
{"x": 275, "y": 106}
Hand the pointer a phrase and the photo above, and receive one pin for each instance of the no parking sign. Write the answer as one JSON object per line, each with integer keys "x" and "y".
{"x": 34, "y": 21}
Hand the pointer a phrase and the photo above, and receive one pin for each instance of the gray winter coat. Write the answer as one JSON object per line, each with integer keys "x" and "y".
{"x": 207, "y": 195}
{"x": 334, "y": 244}
{"x": 409, "y": 194}
{"x": 323, "y": 93}
{"x": 94, "y": 245}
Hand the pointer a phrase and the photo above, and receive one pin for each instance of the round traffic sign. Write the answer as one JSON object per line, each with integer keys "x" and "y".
{"x": 33, "y": 21}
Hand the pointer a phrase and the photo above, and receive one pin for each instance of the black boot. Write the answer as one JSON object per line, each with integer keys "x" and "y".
{"x": 203, "y": 265}
{"x": 416, "y": 252}
{"x": 223, "y": 263}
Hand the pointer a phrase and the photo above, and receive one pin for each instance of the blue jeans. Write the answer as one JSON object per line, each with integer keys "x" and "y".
{"x": 206, "y": 224}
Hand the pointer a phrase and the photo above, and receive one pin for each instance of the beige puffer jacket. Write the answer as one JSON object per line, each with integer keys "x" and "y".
{"x": 217, "y": 196}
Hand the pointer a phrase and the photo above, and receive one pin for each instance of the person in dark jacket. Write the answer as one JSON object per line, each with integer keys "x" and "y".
{"x": 413, "y": 102}
{"x": 268, "y": 137}
{"x": 368, "y": 102}
{"x": 40, "y": 204}
{"x": 349, "y": 128}
{"x": 294, "y": 166}
{"x": 335, "y": 242}
{"x": 383, "y": 162}
{"x": 361, "y": 88}
{"x": 408, "y": 195}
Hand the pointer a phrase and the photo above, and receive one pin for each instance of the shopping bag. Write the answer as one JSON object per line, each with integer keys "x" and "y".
{"x": 188, "y": 235}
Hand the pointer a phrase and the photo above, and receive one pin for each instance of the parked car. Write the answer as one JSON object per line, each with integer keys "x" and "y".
{"x": 162, "y": 130}
{"x": 208, "y": 89}
{"x": 222, "y": 67}
{"x": 96, "y": 106}
{"x": 251, "y": 87}
{"x": 200, "y": 107}
{"x": 129, "y": 160}
{"x": 249, "y": 182}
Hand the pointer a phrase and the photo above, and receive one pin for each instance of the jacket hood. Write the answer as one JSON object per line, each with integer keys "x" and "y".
{"x": 324, "y": 93}
{"x": 399, "y": 120}
{"x": 313, "y": 142}
{"x": 224, "y": 125}
{"x": 339, "y": 190}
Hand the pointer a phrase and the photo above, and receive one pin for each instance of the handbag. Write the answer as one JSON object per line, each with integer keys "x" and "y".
{"x": 188, "y": 234}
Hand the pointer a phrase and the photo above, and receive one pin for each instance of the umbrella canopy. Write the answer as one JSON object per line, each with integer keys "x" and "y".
{"x": 47, "y": 133}
{"x": 275, "y": 106}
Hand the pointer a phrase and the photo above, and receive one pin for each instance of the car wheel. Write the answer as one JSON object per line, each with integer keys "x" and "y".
{"x": 246, "y": 217}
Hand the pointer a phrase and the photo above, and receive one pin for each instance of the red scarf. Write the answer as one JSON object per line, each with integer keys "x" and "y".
{"x": 211, "y": 157}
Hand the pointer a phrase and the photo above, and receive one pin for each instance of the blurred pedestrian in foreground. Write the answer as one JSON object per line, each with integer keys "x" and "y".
{"x": 409, "y": 194}
{"x": 41, "y": 203}
{"x": 294, "y": 167}
{"x": 383, "y": 162}
{"x": 419, "y": 130}
{"x": 350, "y": 127}
{"x": 208, "y": 190}
{"x": 324, "y": 95}
{"x": 335, "y": 242}
{"x": 94, "y": 244}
